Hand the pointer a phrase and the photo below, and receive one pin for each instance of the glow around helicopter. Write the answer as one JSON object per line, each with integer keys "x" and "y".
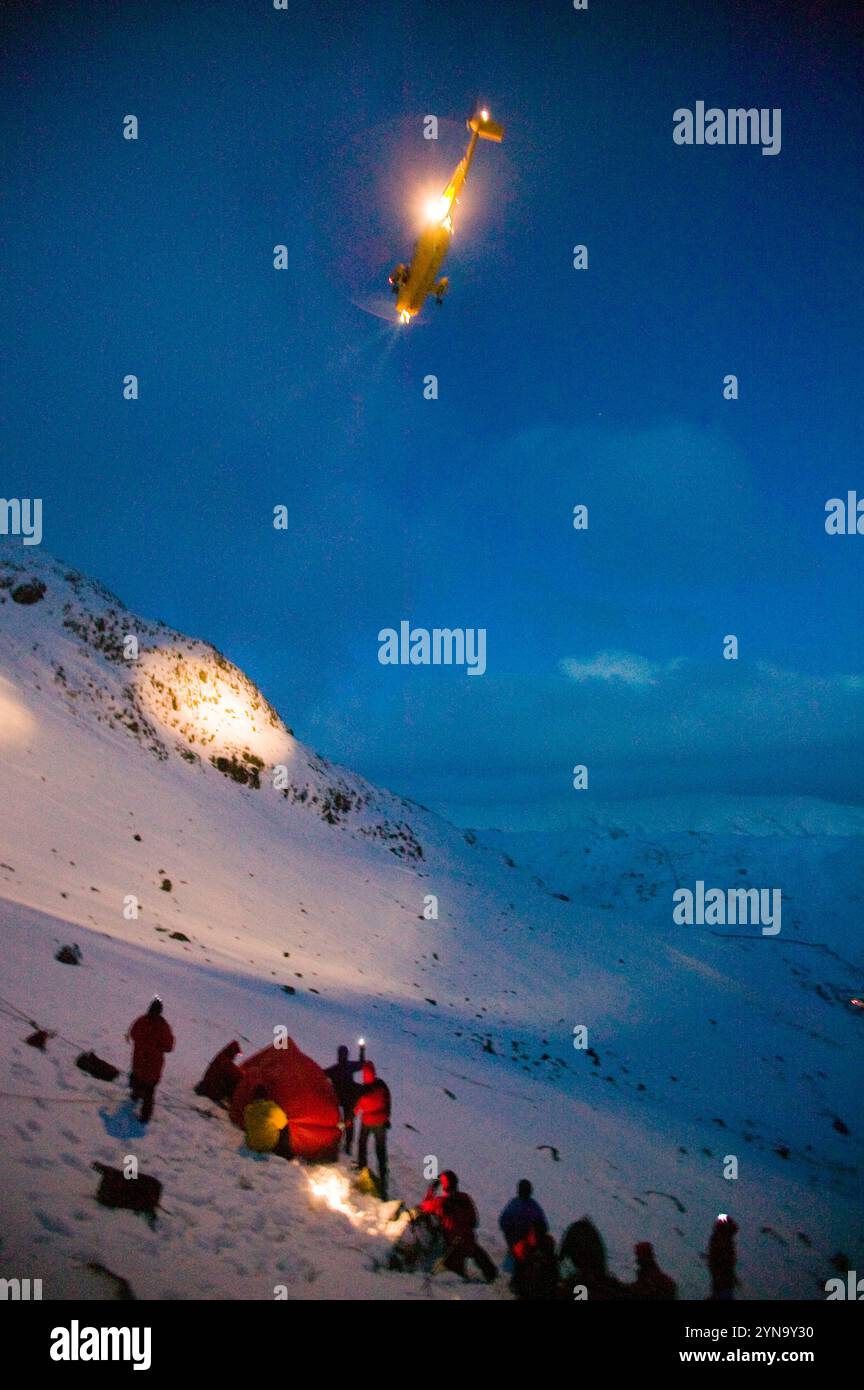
{"x": 413, "y": 283}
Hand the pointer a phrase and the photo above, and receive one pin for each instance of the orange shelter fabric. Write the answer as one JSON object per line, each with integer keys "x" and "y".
{"x": 299, "y": 1086}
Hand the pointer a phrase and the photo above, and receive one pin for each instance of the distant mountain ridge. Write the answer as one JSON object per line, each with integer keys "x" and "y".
{"x": 708, "y": 813}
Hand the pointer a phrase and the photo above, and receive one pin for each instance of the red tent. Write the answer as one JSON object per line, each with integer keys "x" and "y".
{"x": 306, "y": 1095}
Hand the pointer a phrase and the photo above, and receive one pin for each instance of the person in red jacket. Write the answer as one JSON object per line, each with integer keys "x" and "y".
{"x": 535, "y": 1272}
{"x": 373, "y": 1111}
{"x": 457, "y": 1216}
{"x": 151, "y": 1038}
{"x": 219, "y": 1081}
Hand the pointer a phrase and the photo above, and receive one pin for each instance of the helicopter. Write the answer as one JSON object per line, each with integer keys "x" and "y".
{"x": 413, "y": 283}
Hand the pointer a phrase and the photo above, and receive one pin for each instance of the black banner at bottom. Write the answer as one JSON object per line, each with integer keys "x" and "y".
{"x": 193, "y": 1338}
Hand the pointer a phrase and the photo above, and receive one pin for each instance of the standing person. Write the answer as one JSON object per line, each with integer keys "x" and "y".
{"x": 722, "y": 1258}
{"x": 520, "y": 1214}
{"x": 373, "y": 1109}
{"x": 151, "y": 1038}
{"x": 457, "y": 1216}
{"x": 651, "y": 1283}
{"x": 342, "y": 1075}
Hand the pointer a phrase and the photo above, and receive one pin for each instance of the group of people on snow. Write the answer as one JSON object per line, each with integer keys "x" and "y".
{"x": 264, "y": 1121}
{"x": 576, "y": 1269}
{"x": 538, "y": 1269}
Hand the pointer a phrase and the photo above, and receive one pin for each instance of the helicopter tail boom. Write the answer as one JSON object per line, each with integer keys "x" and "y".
{"x": 486, "y": 129}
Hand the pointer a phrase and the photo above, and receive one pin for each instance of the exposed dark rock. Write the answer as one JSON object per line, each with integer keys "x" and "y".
{"x": 31, "y": 591}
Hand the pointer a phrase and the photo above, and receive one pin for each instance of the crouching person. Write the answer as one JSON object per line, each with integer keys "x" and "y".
{"x": 535, "y": 1271}
{"x": 651, "y": 1283}
{"x": 220, "y": 1079}
{"x": 265, "y": 1124}
{"x": 457, "y": 1216}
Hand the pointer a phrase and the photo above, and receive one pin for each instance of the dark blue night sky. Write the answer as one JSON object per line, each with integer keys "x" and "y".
{"x": 556, "y": 386}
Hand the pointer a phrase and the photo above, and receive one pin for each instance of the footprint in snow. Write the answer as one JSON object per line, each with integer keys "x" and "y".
{"x": 73, "y": 1161}
{"x": 122, "y": 1123}
{"x": 769, "y": 1231}
{"x": 202, "y": 1200}
{"x": 52, "y": 1224}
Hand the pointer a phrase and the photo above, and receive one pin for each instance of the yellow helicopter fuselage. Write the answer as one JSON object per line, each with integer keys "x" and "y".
{"x": 414, "y": 283}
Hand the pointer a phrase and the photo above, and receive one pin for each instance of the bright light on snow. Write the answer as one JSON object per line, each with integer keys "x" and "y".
{"x": 333, "y": 1188}
{"x": 211, "y": 704}
{"x": 16, "y": 722}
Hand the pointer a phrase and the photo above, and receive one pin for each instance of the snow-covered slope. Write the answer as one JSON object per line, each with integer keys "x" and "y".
{"x": 259, "y": 868}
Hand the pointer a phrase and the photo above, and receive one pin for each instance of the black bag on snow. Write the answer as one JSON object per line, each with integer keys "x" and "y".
{"x": 68, "y": 955}
{"x": 137, "y": 1194}
{"x": 96, "y": 1066}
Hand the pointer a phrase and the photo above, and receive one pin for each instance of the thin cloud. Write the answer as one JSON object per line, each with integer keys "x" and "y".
{"x": 624, "y": 667}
